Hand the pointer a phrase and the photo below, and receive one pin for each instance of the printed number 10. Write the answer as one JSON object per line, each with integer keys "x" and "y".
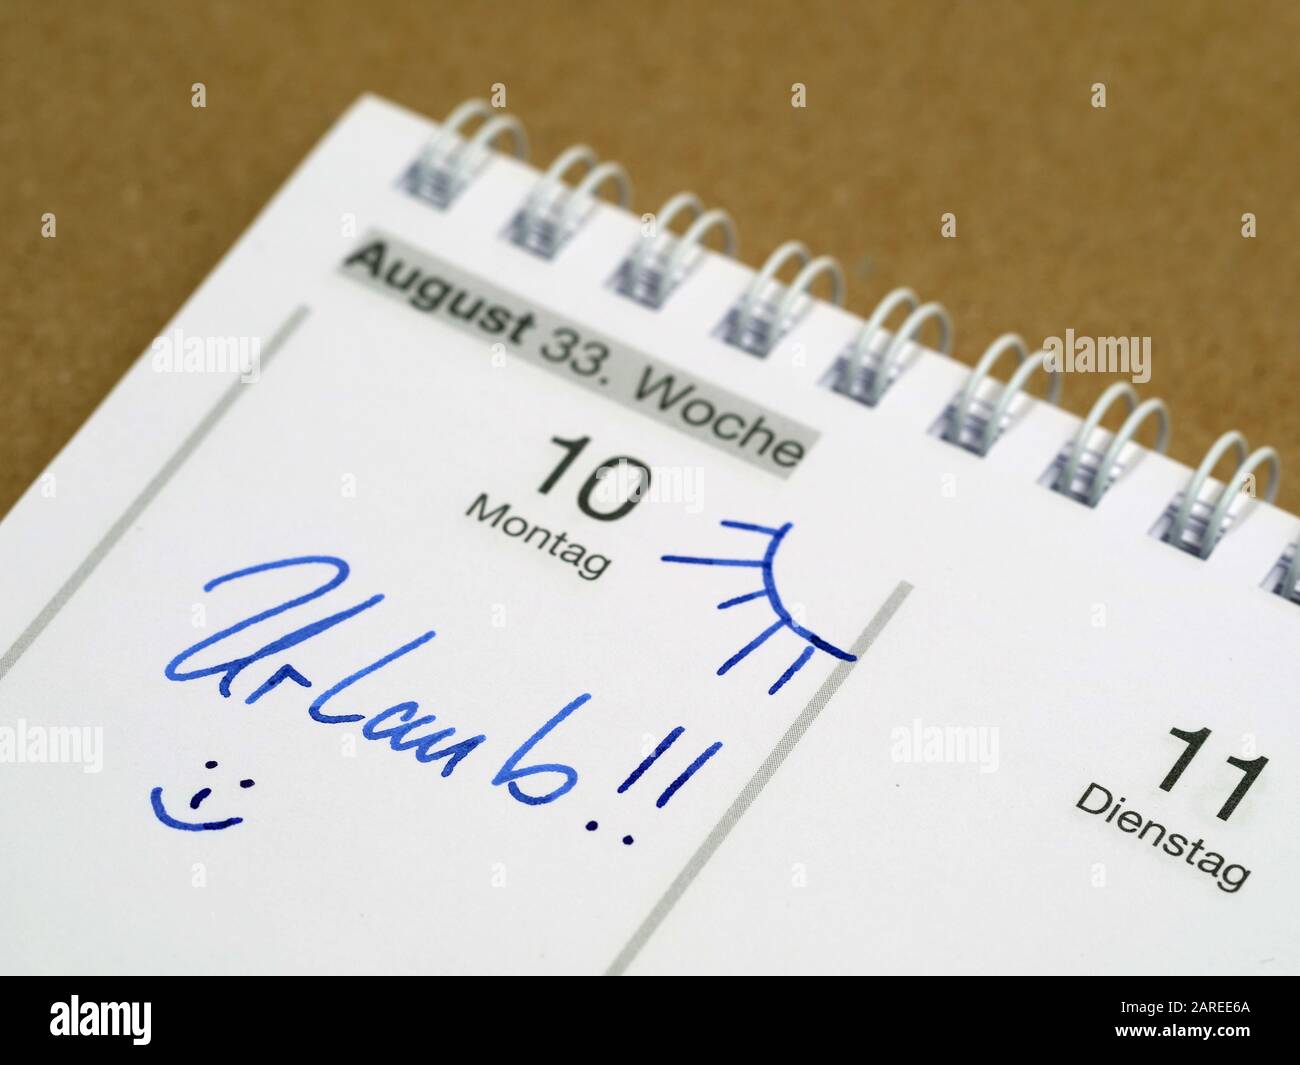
{"x": 609, "y": 467}
{"x": 1195, "y": 740}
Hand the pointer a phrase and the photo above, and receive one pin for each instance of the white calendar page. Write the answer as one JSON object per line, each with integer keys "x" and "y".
{"x": 945, "y": 687}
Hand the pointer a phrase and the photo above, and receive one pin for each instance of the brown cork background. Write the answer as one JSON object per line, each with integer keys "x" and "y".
{"x": 1123, "y": 221}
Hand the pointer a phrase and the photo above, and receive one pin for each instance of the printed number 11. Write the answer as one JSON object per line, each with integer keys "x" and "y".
{"x": 1250, "y": 769}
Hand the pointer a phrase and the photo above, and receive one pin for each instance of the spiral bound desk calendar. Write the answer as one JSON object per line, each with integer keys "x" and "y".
{"x": 768, "y": 312}
{"x": 846, "y": 607}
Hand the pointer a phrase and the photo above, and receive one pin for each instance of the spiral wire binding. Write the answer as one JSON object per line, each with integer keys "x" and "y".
{"x": 1287, "y": 586}
{"x": 553, "y": 211}
{"x": 864, "y": 373}
{"x": 1082, "y": 473}
{"x": 973, "y": 422}
{"x": 1197, "y": 525}
{"x": 450, "y": 161}
{"x": 767, "y": 311}
{"x": 661, "y": 260}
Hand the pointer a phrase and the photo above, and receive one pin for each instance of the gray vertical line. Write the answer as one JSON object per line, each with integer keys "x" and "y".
{"x": 138, "y": 505}
{"x": 757, "y": 782}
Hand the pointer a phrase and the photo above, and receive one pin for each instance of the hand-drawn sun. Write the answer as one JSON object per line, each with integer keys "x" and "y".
{"x": 783, "y": 619}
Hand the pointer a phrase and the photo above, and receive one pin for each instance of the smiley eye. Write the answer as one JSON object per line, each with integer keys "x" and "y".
{"x": 209, "y": 765}
{"x": 246, "y": 783}
{"x": 765, "y": 565}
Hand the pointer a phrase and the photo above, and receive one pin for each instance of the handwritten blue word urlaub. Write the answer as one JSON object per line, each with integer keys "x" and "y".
{"x": 403, "y": 726}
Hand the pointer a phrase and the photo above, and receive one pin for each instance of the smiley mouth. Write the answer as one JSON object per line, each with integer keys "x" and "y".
{"x": 160, "y": 811}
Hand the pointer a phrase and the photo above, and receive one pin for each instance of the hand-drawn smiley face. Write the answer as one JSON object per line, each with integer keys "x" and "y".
{"x": 196, "y": 800}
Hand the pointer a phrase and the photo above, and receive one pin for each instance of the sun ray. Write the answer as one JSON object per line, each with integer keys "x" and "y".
{"x": 748, "y": 527}
{"x": 776, "y": 626}
{"x": 795, "y": 666}
{"x": 784, "y": 620}
{"x": 756, "y": 562}
{"x": 743, "y": 599}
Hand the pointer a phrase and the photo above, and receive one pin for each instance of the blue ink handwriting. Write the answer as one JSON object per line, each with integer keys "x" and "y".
{"x": 196, "y": 800}
{"x": 784, "y": 620}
